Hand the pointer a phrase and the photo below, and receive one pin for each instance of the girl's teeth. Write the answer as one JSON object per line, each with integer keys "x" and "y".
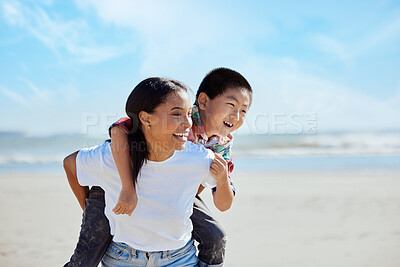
{"x": 182, "y": 135}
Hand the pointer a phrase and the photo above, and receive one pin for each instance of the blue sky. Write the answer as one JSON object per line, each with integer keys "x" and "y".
{"x": 68, "y": 66}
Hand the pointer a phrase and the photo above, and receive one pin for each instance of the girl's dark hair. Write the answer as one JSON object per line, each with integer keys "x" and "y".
{"x": 146, "y": 96}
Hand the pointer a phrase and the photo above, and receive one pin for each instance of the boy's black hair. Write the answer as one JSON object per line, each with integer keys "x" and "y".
{"x": 219, "y": 80}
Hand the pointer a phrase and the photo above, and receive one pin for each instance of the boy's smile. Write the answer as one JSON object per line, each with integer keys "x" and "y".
{"x": 225, "y": 113}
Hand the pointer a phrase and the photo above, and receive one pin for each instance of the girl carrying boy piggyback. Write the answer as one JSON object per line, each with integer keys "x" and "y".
{"x": 222, "y": 101}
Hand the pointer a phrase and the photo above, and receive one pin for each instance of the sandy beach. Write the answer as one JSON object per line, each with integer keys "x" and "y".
{"x": 279, "y": 219}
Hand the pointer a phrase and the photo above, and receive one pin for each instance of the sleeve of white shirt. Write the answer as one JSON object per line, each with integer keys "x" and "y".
{"x": 209, "y": 180}
{"x": 90, "y": 164}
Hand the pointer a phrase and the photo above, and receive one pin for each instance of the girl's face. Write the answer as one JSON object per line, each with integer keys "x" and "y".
{"x": 167, "y": 128}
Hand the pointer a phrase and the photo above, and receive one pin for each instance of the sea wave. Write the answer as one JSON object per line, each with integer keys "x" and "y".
{"x": 332, "y": 144}
{"x": 31, "y": 159}
{"x": 19, "y": 149}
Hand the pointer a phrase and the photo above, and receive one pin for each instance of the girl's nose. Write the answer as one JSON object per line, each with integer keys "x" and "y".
{"x": 187, "y": 122}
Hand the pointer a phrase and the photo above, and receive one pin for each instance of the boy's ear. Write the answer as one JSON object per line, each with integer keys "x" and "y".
{"x": 203, "y": 101}
{"x": 144, "y": 118}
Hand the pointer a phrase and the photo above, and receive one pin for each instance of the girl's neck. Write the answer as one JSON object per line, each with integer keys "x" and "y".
{"x": 158, "y": 152}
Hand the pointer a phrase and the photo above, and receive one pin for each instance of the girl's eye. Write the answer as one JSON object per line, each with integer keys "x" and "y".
{"x": 231, "y": 104}
{"x": 244, "y": 111}
{"x": 177, "y": 114}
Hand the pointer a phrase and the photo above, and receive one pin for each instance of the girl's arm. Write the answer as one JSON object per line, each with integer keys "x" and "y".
{"x": 79, "y": 191}
{"x": 223, "y": 195}
{"x": 127, "y": 200}
{"x": 201, "y": 188}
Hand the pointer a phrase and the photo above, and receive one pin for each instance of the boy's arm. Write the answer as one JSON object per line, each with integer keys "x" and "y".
{"x": 80, "y": 192}
{"x": 230, "y": 170}
{"x": 120, "y": 150}
{"x": 223, "y": 195}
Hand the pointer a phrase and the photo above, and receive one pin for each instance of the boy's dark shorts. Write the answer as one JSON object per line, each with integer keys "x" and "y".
{"x": 95, "y": 236}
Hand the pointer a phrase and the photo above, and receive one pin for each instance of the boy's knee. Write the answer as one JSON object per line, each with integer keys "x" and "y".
{"x": 217, "y": 238}
{"x": 212, "y": 250}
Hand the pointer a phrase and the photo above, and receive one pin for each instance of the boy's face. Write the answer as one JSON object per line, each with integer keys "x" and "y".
{"x": 225, "y": 113}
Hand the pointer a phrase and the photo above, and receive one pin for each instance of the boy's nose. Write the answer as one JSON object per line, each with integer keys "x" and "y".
{"x": 235, "y": 115}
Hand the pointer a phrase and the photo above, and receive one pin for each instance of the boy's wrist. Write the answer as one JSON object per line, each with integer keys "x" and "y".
{"x": 223, "y": 181}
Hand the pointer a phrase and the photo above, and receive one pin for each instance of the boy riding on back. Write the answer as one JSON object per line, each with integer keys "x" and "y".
{"x": 222, "y": 101}
{"x": 223, "y": 98}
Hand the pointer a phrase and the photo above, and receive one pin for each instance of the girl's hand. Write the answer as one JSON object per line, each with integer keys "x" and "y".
{"x": 219, "y": 168}
{"x": 127, "y": 202}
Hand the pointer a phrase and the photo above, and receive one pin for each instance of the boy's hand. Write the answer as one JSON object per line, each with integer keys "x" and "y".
{"x": 127, "y": 202}
{"x": 223, "y": 195}
{"x": 219, "y": 168}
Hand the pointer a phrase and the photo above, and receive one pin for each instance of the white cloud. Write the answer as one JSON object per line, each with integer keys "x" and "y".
{"x": 281, "y": 87}
{"x": 72, "y": 36}
{"x": 12, "y": 13}
{"x": 389, "y": 32}
{"x": 40, "y": 96}
{"x": 186, "y": 39}
{"x": 176, "y": 34}
{"x": 360, "y": 43}
{"x": 31, "y": 96}
{"x": 334, "y": 47}
{"x": 15, "y": 97}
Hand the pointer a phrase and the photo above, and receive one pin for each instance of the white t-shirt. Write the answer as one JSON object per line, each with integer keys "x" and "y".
{"x": 165, "y": 190}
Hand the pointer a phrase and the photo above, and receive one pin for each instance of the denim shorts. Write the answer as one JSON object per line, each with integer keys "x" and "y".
{"x": 95, "y": 234}
{"x": 122, "y": 255}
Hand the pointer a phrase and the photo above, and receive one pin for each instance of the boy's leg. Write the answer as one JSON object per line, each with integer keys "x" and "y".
{"x": 95, "y": 236}
{"x": 210, "y": 235}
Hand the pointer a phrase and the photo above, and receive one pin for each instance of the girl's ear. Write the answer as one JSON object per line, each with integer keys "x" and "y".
{"x": 203, "y": 100}
{"x": 144, "y": 118}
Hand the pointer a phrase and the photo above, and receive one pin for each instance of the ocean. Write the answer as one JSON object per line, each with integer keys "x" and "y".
{"x": 339, "y": 151}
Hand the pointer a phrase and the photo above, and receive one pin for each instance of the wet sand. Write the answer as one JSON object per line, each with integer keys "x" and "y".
{"x": 278, "y": 219}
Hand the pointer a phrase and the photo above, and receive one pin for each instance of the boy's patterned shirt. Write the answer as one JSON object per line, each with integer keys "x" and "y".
{"x": 216, "y": 143}
{"x": 197, "y": 135}
{"x": 124, "y": 123}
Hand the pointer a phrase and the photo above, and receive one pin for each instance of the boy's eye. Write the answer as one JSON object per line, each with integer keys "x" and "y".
{"x": 177, "y": 114}
{"x": 244, "y": 111}
{"x": 231, "y": 104}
